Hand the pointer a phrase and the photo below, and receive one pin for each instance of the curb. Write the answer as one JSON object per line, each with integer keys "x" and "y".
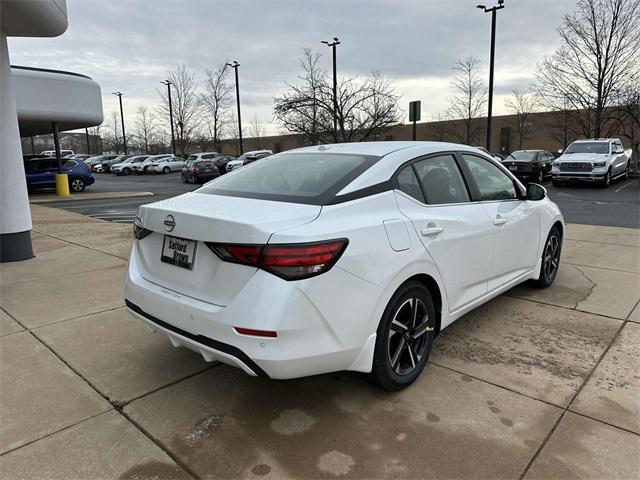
{"x": 88, "y": 196}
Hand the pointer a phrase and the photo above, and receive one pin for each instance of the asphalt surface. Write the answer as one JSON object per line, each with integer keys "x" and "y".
{"x": 616, "y": 206}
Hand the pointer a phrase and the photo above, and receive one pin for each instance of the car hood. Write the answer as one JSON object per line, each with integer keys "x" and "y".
{"x": 584, "y": 157}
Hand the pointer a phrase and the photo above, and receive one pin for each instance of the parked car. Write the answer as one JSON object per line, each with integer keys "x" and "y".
{"x": 598, "y": 160}
{"x": 80, "y": 156}
{"x": 168, "y": 164}
{"x": 126, "y": 167}
{"x": 199, "y": 171}
{"x": 41, "y": 172}
{"x": 218, "y": 159}
{"x": 52, "y": 153}
{"x": 533, "y": 165}
{"x": 145, "y": 166}
{"x": 105, "y": 166}
{"x": 247, "y": 158}
{"x": 96, "y": 162}
{"x": 339, "y": 257}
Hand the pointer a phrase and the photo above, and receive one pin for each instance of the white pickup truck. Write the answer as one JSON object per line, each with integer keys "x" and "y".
{"x": 599, "y": 160}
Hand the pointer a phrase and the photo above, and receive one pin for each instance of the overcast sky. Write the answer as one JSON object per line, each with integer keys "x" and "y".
{"x": 129, "y": 45}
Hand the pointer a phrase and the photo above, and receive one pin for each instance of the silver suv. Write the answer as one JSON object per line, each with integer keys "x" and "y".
{"x": 599, "y": 160}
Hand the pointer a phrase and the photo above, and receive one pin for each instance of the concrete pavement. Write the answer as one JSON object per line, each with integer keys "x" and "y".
{"x": 535, "y": 384}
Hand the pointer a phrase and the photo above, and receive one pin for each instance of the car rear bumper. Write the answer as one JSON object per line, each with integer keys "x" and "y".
{"x": 307, "y": 342}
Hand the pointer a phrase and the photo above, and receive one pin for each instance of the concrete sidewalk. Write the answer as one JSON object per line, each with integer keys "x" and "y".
{"x": 535, "y": 384}
{"x": 41, "y": 197}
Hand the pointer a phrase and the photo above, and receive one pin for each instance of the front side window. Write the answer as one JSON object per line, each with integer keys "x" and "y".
{"x": 492, "y": 182}
{"x": 408, "y": 183}
{"x": 304, "y": 177}
{"x": 442, "y": 180}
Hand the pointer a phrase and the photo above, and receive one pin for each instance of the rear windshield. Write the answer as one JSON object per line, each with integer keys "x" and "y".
{"x": 521, "y": 155}
{"x": 588, "y": 147}
{"x": 303, "y": 177}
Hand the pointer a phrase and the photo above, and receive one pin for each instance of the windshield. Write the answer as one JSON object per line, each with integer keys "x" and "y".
{"x": 309, "y": 177}
{"x": 522, "y": 155}
{"x": 588, "y": 147}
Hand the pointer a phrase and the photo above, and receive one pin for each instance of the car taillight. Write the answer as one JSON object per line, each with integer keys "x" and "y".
{"x": 140, "y": 232}
{"x": 196, "y": 170}
{"x": 289, "y": 261}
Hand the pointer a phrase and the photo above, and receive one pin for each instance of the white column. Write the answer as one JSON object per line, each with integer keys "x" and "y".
{"x": 15, "y": 216}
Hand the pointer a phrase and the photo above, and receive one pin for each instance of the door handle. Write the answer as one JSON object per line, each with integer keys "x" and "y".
{"x": 426, "y": 232}
{"x": 499, "y": 220}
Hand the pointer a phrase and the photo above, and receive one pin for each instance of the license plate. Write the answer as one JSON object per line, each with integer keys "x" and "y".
{"x": 178, "y": 251}
{"x": 513, "y": 168}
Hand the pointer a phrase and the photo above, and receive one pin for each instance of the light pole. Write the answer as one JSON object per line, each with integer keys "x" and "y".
{"x": 333, "y": 45}
{"x": 235, "y": 66}
{"x": 493, "y": 51}
{"x": 124, "y": 136}
{"x": 173, "y": 138}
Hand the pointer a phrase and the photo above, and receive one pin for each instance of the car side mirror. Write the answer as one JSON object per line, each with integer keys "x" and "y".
{"x": 535, "y": 192}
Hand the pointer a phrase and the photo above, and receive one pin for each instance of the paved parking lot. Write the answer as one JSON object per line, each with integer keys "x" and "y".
{"x": 617, "y": 206}
{"x": 534, "y": 384}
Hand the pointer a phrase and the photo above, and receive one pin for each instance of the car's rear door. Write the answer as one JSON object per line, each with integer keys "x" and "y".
{"x": 515, "y": 221}
{"x": 456, "y": 232}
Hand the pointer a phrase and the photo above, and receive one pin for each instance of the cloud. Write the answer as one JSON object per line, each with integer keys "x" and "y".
{"x": 129, "y": 45}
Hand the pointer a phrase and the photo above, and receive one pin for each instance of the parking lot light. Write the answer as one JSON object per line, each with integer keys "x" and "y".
{"x": 333, "y": 45}
{"x": 235, "y": 66}
{"x": 124, "y": 136}
{"x": 491, "y": 62}
{"x": 173, "y": 138}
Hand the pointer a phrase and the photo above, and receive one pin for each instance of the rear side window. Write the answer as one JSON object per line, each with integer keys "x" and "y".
{"x": 408, "y": 183}
{"x": 301, "y": 177}
{"x": 210, "y": 155}
{"x": 442, "y": 180}
{"x": 69, "y": 164}
{"x": 492, "y": 182}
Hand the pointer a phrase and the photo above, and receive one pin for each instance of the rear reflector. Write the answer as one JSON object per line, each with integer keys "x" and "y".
{"x": 255, "y": 333}
{"x": 289, "y": 261}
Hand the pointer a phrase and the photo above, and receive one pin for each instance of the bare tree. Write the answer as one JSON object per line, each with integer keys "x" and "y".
{"x": 146, "y": 127}
{"x": 111, "y": 139}
{"x": 366, "y": 108}
{"x": 522, "y": 104}
{"x": 256, "y": 130}
{"x": 468, "y": 101}
{"x": 95, "y": 140}
{"x": 598, "y": 55}
{"x": 627, "y": 114}
{"x": 440, "y": 127}
{"x": 217, "y": 101}
{"x": 186, "y": 105}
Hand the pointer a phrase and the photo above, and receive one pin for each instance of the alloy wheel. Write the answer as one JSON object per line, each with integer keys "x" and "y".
{"x": 408, "y": 336}
{"x": 551, "y": 257}
{"x": 77, "y": 185}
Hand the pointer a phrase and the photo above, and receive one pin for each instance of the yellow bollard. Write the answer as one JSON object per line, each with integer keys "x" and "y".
{"x": 62, "y": 184}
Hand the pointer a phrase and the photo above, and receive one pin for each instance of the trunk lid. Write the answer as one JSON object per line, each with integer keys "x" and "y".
{"x": 211, "y": 218}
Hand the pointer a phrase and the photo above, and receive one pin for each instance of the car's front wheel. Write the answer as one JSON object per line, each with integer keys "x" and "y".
{"x": 166, "y": 170}
{"x": 77, "y": 184}
{"x": 126, "y": 171}
{"x": 550, "y": 259}
{"x": 606, "y": 182}
{"x": 404, "y": 338}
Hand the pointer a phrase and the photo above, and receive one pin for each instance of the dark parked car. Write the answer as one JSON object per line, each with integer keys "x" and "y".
{"x": 532, "y": 165}
{"x": 93, "y": 162}
{"x": 41, "y": 173}
{"x": 105, "y": 166}
{"x": 199, "y": 171}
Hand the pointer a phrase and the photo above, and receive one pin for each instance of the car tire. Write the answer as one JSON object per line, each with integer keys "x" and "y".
{"x": 607, "y": 180}
{"x": 625, "y": 175}
{"x": 550, "y": 259}
{"x": 77, "y": 184}
{"x": 196, "y": 179}
{"x": 403, "y": 343}
{"x": 126, "y": 171}
{"x": 166, "y": 170}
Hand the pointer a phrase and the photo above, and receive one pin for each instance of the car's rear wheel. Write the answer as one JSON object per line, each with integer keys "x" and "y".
{"x": 76, "y": 184}
{"x": 550, "y": 258}
{"x": 541, "y": 175}
{"x": 166, "y": 170}
{"x": 404, "y": 338}
{"x": 126, "y": 171}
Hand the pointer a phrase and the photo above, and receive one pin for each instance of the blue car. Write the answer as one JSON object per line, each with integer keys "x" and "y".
{"x": 41, "y": 173}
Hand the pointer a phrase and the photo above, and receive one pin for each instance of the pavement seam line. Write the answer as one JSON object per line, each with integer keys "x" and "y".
{"x": 601, "y": 268}
{"x": 506, "y": 294}
{"x": 566, "y": 409}
{"x": 632, "y": 310}
{"x": 593, "y": 286}
{"x": 79, "y": 244}
{"x": 115, "y": 407}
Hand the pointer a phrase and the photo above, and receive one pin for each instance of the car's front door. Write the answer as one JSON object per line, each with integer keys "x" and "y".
{"x": 515, "y": 221}
{"x": 456, "y": 232}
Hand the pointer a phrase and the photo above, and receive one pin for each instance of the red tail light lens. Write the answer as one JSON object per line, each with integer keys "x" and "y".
{"x": 288, "y": 261}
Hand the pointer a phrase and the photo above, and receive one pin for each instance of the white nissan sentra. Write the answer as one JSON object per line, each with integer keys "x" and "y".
{"x": 339, "y": 257}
